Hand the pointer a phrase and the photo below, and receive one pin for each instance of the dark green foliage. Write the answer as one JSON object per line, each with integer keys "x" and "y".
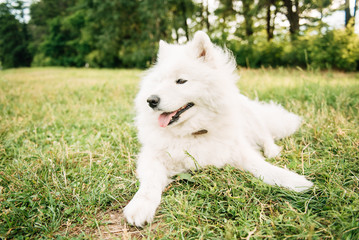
{"x": 125, "y": 34}
{"x": 261, "y": 53}
{"x": 335, "y": 49}
{"x": 63, "y": 45}
{"x": 13, "y": 40}
{"x": 106, "y": 33}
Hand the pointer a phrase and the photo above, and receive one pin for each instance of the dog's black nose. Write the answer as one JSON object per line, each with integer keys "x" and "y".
{"x": 153, "y": 101}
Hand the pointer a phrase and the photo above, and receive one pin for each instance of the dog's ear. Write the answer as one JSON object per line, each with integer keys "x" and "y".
{"x": 162, "y": 49}
{"x": 162, "y": 44}
{"x": 203, "y": 45}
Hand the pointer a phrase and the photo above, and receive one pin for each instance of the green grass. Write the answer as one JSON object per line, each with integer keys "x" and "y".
{"x": 68, "y": 149}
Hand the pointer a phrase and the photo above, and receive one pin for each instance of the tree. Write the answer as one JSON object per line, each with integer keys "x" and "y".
{"x": 42, "y": 14}
{"x": 122, "y": 33}
{"x": 183, "y": 10}
{"x": 226, "y": 14}
{"x": 179, "y": 11}
{"x": 205, "y": 15}
{"x": 229, "y": 10}
{"x": 125, "y": 33}
{"x": 13, "y": 40}
{"x": 292, "y": 14}
{"x": 348, "y": 16}
{"x": 270, "y": 17}
{"x": 295, "y": 10}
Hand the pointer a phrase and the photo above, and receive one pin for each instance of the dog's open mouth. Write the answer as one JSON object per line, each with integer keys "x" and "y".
{"x": 168, "y": 118}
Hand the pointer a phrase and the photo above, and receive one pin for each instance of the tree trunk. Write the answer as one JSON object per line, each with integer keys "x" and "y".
{"x": 248, "y": 21}
{"x": 204, "y": 15}
{"x": 356, "y": 5}
{"x": 348, "y": 15}
{"x": 184, "y": 15}
{"x": 292, "y": 16}
{"x": 270, "y": 20}
{"x": 207, "y": 14}
{"x": 175, "y": 27}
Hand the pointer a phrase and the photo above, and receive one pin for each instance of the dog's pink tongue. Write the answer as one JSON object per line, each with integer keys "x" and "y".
{"x": 165, "y": 118}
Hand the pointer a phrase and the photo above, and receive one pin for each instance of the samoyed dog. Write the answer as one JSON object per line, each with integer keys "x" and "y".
{"x": 189, "y": 107}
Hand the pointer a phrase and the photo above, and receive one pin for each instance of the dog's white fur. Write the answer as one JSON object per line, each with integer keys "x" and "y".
{"x": 238, "y": 128}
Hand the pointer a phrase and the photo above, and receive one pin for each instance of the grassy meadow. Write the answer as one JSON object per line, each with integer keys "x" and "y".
{"x": 68, "y": 150}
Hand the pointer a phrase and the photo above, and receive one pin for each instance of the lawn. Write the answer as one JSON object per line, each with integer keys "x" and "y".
{"x": 68, "y": 151}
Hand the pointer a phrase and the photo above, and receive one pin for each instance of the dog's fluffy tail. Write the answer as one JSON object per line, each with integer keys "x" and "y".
{"x": 279, "y": 121}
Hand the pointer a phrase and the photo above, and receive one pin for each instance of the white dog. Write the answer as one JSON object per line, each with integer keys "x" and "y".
{"x": 190, "y": 112}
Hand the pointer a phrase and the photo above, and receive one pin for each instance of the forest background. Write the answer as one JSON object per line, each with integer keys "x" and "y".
{"x": 125, "y": 34}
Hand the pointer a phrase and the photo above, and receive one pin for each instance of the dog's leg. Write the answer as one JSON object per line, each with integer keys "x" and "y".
{"x": 271, "y": 149}
{"x": 153, "y": 179}
{"x": 266, "y": 141}
{"x": 255, "y": 163}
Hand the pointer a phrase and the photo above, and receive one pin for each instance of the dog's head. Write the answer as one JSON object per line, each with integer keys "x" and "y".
{"x": 187, "y": 84}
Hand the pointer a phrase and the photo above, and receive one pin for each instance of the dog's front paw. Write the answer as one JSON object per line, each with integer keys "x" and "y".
{"x": 290, "y": 180}
{"x": 298, "y": 183}
{"x": 140, "y": 210}
{"x": 272, "y": 150}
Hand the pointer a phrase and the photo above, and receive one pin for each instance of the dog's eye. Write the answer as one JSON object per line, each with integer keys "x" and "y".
{"x": 180, "y": 81}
